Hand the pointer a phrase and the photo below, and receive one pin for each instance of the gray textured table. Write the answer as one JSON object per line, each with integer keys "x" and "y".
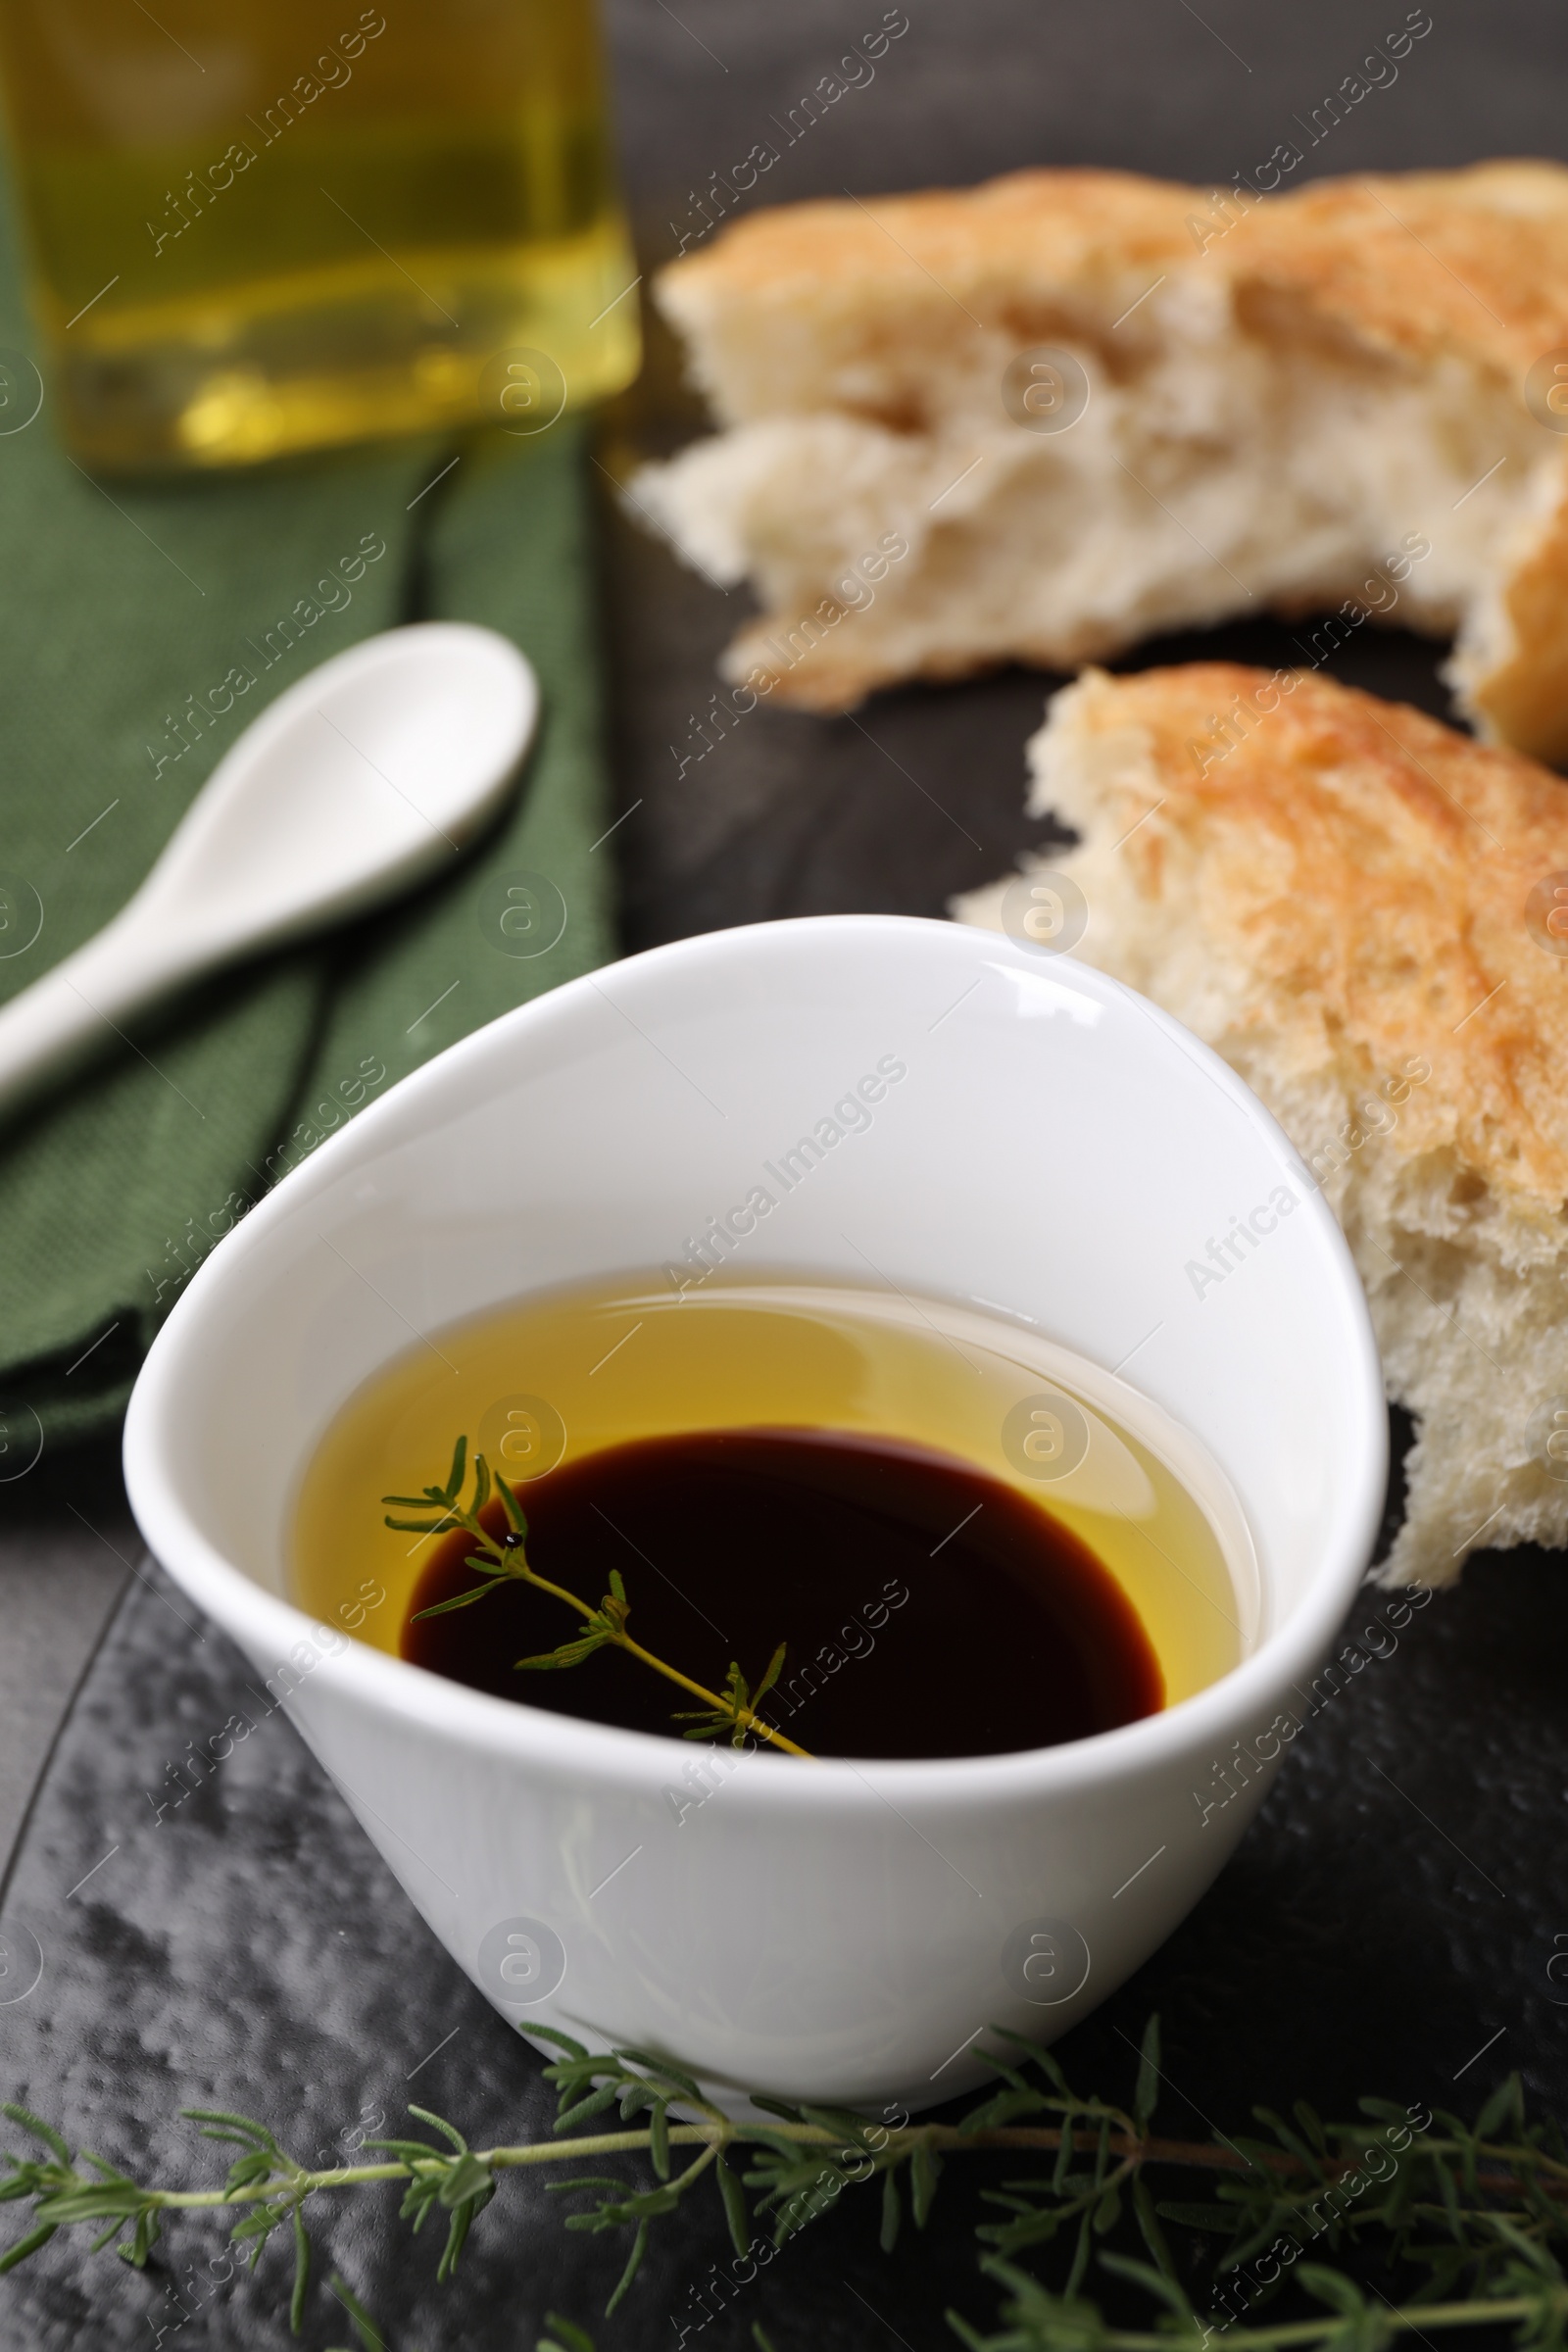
{"x": 1397, "y": 1907}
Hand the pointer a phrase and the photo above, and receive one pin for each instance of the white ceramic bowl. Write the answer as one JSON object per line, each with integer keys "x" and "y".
{"x": 1060, "y": 1150}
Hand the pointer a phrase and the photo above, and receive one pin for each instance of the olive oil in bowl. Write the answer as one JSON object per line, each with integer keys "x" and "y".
{"x": 967, "y": 1541}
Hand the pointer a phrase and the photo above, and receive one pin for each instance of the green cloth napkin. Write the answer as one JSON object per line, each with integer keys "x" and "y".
{"x": 121, "y": 610}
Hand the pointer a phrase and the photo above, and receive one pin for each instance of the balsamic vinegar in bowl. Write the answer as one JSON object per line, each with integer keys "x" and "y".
{"x": 968, "y": 1541}
{"x": 891, "y": 1575}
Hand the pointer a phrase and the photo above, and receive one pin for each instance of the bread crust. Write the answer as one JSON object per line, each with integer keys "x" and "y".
{"x": 1376, "y": 864}
{"x": 1039, "y": 229}
{"x": 1472, "y": 262}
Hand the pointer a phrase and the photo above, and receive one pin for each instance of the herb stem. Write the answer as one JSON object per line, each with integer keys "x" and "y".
{"x": 1482, "y": 2314}
{"x": 743, "y": 1715}
{"x": 1133, "y": 2151}
{"x": 513, "y": 1561}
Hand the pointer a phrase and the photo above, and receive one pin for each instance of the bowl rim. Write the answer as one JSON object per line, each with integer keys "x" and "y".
{"x": 641, "y": 1764}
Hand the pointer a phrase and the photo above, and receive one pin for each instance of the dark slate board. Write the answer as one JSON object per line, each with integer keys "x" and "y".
{"x": 1398, "y": 1905}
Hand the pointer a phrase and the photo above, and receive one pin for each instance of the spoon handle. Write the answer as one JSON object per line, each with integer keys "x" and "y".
{"x": 64, "y": 1018}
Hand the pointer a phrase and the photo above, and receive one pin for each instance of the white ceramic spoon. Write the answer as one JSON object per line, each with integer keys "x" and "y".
{"x": 365, "y": 777}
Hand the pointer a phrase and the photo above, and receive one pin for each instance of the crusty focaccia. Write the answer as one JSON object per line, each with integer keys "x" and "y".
{"x": 1335, "y": 893}
{"x": 1284, "y": 394}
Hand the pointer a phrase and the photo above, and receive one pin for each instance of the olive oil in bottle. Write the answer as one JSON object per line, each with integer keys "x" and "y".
{"x": 270, "y": 225}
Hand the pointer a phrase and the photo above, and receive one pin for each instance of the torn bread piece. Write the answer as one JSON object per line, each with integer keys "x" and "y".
{"x": 1285, "y": 397}
{"x": 1338, "y": 901}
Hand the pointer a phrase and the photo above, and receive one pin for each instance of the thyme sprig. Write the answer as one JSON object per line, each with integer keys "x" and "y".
{"x": 1481, "y": 2210}
{"x": 495, "y": 1562}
